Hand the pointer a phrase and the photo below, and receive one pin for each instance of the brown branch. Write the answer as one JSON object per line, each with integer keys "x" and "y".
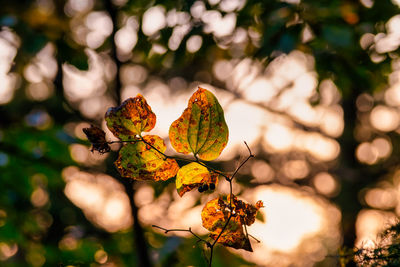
{"x": 166, "y": 231}
{"x": 244, "y": 162}
{"x": 197, "y": 160}
{"x": 257, "y": 240}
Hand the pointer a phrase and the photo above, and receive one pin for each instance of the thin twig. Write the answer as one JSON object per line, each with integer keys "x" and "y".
{"x": 245, "y": 230}
{"x": 211, "y": 169}
{"x": 223, "y": 229}
{"x": 197, "y": 160}
{"x": 244, "y": 162}
{"x": 156, "y": 149}
{"x": 183, "y": 230}
{"x": 257, "y": 240}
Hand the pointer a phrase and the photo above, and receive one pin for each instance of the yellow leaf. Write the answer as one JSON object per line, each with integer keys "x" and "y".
{"x": 193, "y": 175}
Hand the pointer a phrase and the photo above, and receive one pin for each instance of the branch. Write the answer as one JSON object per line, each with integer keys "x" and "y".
{"x": 166, "y": 231}
{"x": 185, "y": 159}
{"x": 257, "y": 240}
{"x": 244, "y": 162}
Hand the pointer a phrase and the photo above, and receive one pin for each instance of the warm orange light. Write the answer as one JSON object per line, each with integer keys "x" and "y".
{"x": 39, "y": 197}
{"x": 384, "y": 118}
{"x": 7, "y": 250}
{"x": 381, "y": 198}
{"x": 102, "y": 199}
{"x": 296, "y": 169}
{"x": 326, "y": 184}
{"x": 295, "y": 223}
{"x": 367, "y": 153}
{"x": 370, "y": 223}
{"x": 262, "y": 172}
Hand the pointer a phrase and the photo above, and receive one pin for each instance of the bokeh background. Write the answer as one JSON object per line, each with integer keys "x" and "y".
{"x": 312, "y": 86}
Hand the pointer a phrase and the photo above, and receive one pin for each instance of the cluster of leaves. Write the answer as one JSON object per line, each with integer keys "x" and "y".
{"x": 200, "y": 130}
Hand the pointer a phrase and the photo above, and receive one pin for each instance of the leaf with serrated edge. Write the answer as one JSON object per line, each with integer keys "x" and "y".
{"x": 140, "y": 161}
{"x": 131, "y": 118}
{"x": 201, "y": 129}
{"x": 193, "y": 175}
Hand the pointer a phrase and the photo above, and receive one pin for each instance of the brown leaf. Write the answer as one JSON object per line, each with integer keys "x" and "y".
{"x": 246, "y": 212}
{"x": 97, "y": 137}
{"x": 215, "y": 215}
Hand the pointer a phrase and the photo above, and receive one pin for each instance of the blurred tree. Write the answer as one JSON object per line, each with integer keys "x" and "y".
{"x": 63, "y": 63}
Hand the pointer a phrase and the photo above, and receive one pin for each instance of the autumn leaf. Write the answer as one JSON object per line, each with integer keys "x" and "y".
{"x": 131, "y": 118}
{"x": 216, "y": 213}
{"x": 140, "y": 161}
{"x": 246, "y": 212}
{"x": 193, "y": 175}
{"x": 214, "y": 216}
{"x": 97, "y": 137}
{"x": 201, "y": 129}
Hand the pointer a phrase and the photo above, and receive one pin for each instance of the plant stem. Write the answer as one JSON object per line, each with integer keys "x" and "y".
{"x": 231, "y": 209}
{"x": 183, "y": 230}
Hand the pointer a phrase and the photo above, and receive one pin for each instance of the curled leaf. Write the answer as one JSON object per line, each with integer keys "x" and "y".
{"x": 215, "y": 215}
{"x": 141, "y": 161}
{"x": 131, "y": 118}
{"x": 193, "y": 175}
{"x": 201, "y": 129}
{"x": 246, "y": 212}
{"x": 97, "y": 137}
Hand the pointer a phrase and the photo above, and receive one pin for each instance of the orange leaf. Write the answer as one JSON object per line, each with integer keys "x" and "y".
{"x": 131, "y": 118}
{"x": 214, "y": 216}
{"x": 201, "y": 129}
{"x": 140, "y": 161}
{"x": 246, "y": 212}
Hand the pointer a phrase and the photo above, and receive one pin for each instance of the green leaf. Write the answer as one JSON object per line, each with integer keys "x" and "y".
{"x": 201, "y": 129}
{"x": 131, "y": 118}
{"x": 193, "y": 175}
{"x": 140, "y": 161}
